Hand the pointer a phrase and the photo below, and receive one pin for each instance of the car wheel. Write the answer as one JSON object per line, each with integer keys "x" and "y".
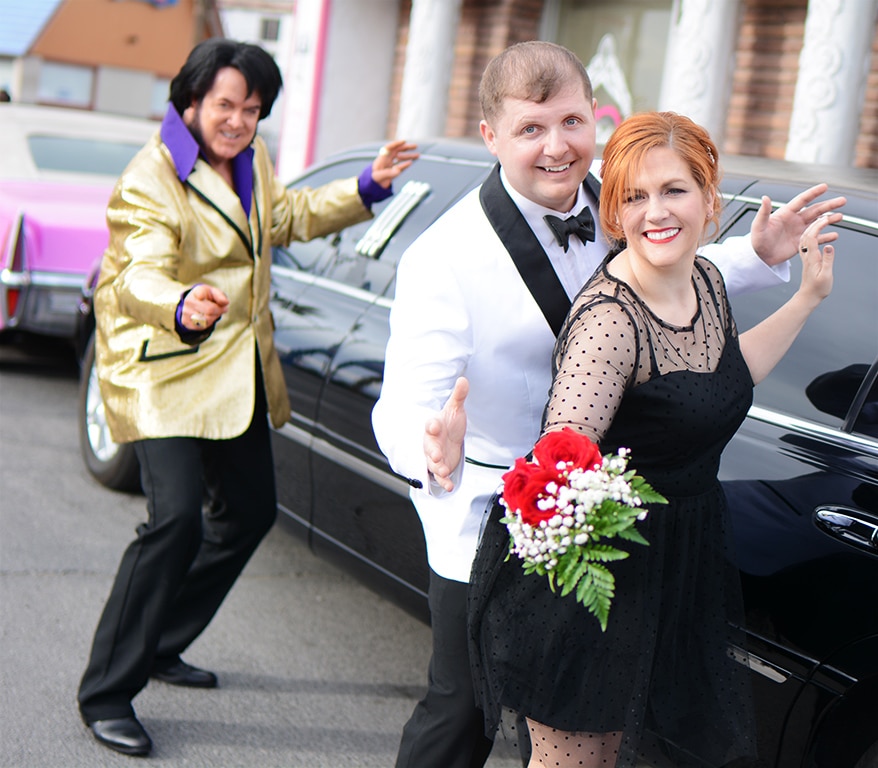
{"x": 111, "y": 464}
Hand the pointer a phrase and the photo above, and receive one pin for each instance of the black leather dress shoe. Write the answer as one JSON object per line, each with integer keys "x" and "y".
{"x": 178, "y": 672}
{"x": 124, "y": 734}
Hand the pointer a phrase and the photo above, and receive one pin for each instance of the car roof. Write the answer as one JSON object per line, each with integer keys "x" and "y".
{"x": 465, "y": 150}
{"x": 805, "y": 174}
{"x": 19, "y": 121}
{"x": 743, "y": 169}
{"x": 747, "y": 179}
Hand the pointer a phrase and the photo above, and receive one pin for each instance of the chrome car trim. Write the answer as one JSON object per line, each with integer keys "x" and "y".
{"x": 363, "y": 559}
{"x": 295, "y": 515}
{"x": 446, "y": 159}
{"x": 391, "y": 218}
{"x": 322, "y": 282}
{"x": 10, "y": 279}
{"x": 344, "y": 459}
{"x": 759, "y": 665}
{"x": 811, "y": 429}
{"x": 393, "y": 484}
{"x": 296, "y": 434}
{"x": 56, "y": 280}
{"x": 396, "y": 485}
{"x": 14, "y": 279}
{"x": 774, "y": 204}
{"x": 849, "y": 525}
{"x": 12, "y": 242}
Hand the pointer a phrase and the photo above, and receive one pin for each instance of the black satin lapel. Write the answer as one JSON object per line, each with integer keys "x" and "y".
{"x": 527, "y": 254}
{"x": 594, "y": 186}
{"x": 255, "y": 211}
{"x": 245, "y": 238}
{"x": 210, "y": 187}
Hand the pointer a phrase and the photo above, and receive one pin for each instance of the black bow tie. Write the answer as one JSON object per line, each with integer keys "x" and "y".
{"x": 581, "y": 225}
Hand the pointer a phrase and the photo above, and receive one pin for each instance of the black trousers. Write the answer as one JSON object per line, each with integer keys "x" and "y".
{"x": 446, "y": 729}
{"x": 209, "y": 503}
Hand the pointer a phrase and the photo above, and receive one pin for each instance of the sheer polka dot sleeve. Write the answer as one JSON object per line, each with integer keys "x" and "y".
{"x": 593, "y": 363}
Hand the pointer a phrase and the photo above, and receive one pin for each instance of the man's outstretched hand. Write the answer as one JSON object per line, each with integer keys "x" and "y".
{"x": 443, "y": 436}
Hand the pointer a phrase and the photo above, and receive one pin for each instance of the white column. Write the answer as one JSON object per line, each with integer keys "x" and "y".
{"x": 831, "y": 85}
{"x": 303, "y": 87}
{"x": 360, "y": 55}
{"x": 699, "y": 62}
{"x": 427, "y": 74}
{"x": 26, "y": 79}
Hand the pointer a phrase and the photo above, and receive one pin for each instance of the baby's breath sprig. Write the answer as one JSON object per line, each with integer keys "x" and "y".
{"x": 565, "y": 505}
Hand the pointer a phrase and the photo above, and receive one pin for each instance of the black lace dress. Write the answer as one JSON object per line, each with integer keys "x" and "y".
{"x": 674, "y": 396}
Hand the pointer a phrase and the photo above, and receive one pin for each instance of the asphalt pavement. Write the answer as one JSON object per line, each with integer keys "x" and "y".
{"x": 315, "y": 669}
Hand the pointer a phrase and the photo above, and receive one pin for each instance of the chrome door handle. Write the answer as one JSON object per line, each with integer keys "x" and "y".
{"x": 849, "y": 525}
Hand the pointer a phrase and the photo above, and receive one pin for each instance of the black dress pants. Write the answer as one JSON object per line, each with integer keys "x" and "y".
{"x": 446, "y": 729}
{"x": 209, "y": 503}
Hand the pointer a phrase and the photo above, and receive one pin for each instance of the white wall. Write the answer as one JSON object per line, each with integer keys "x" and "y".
{"x": 6, "y": 74}
{"x": 351, "y": 104}
{"x": 246, "y": 25}
{"x": 124, "y": 91}
{"x": 357, "y": 74}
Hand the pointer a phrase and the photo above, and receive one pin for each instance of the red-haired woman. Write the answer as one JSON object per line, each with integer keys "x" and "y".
{"x": 649, "y": 359}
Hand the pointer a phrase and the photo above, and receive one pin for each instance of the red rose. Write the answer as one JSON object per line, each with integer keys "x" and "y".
{"x": 514, "y": 482}
{"x": 524, "y": 485}
{"x": 567, "y": 445}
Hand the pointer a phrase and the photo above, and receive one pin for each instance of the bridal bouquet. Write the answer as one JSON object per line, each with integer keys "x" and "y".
{"x": 563, "y": 508}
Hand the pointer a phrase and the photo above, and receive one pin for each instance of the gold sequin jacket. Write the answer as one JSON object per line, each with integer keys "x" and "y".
{"x": 165, "y": 237}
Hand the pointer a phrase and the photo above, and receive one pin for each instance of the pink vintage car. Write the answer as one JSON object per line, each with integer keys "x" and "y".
{"x": 57, "y": 169}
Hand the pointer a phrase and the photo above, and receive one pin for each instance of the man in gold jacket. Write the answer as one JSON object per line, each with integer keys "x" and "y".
{"x": 187, "y": 365}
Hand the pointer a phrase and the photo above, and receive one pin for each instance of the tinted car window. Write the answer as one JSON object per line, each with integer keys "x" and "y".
{"x": 306, "y": 256}
{"x": 867, "y": 418}
{"x": 365, "y": 255}
{"x": 820, "y": 376}
{"x": 62, "y": 153}
{"x": 446, "y": 180}
{"x": 355, "y": 257}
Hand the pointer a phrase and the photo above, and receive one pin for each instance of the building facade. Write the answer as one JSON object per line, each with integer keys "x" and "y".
{"x": 269, "y": 24}
{"x": 795, "y": 79}
{"x": 99, "y": 54}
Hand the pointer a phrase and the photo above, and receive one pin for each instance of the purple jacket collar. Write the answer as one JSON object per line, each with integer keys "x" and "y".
{"x": 184, "y": 151}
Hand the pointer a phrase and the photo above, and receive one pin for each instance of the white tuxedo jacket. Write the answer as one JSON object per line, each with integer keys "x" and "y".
{"x": 462, "y": 309}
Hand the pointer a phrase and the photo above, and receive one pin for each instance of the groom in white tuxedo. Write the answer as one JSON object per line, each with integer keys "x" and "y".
{"x": 481, "y": 294}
